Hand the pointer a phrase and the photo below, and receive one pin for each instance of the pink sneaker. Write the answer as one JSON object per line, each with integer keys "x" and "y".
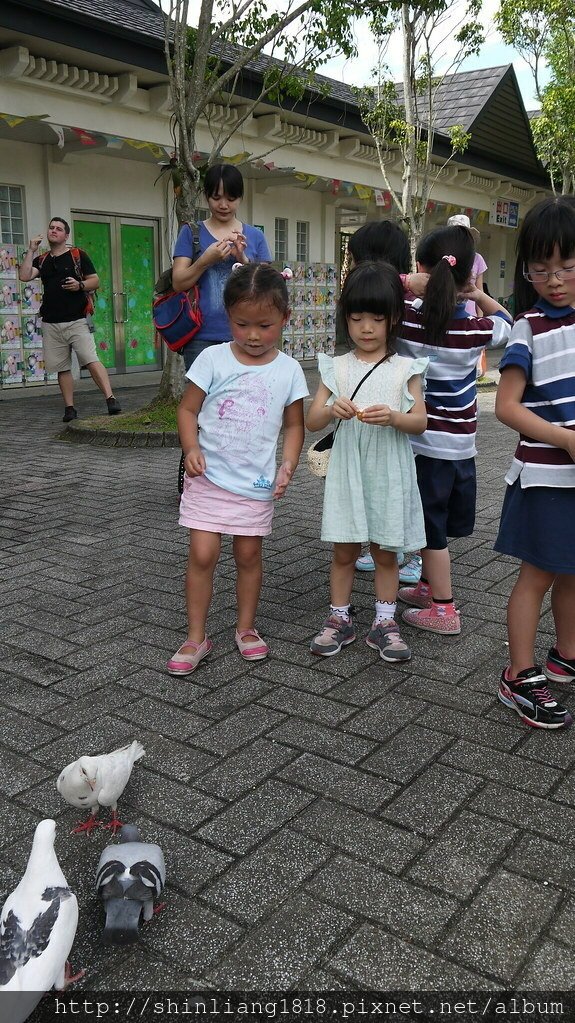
{"x": 251, "y": 645}
{"x": 189, "y": 655}
{"x": 433, "y": 619}
{"x": 417, "y": 596}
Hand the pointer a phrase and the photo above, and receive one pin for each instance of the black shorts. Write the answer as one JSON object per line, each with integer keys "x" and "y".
{"x": 448, "y": 492}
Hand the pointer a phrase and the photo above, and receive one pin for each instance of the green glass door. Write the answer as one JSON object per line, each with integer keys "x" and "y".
{"x": 96, "y": 240}
{"x": 137, "y": 245}
{"x": 123, "y": 251}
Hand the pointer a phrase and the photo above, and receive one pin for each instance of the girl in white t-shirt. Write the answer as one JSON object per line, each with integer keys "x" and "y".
{"x": 241, "y": 394}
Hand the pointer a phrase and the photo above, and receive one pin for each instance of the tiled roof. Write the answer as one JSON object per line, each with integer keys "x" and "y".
{"x": 142, "y": 17}
{"x": 460, "y": 98}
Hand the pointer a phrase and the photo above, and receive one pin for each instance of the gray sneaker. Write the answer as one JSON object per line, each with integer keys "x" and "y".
{"x": 385, "y": 638}
{"x": 334, "y": 633}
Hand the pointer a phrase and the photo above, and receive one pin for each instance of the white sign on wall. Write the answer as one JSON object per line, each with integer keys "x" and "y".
{"x": 504, "y": 213}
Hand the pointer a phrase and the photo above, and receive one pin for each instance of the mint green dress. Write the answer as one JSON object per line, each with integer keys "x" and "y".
{"x": 371, "y": 491}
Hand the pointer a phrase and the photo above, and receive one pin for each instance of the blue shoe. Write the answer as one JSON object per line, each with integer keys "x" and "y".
{"x": 365, "y": 563}
{"x": 410, "y": 572}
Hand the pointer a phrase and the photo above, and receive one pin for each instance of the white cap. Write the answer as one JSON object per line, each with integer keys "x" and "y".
{"x": 459, "y": 220}
{"x": 462, "y": 220}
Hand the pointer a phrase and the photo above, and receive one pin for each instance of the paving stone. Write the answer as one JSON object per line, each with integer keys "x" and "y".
{"x": 476, "y": 729}
{"x": 464, "y": 854}
{"x": 19, "y": 773}
{"x": 263, "y": 880}
{"x": 384, "y": 717}
{"x": 29, "y": 698}
{"x": 407, "y": 753}
{"x": 501, "y": 767}
{"x": 323, "y": 741}
{"x": 535, "y": 857}
{"x": 431, "y": 800}
{"x": 313, "y": 708}
{"x": 444, "y": 694}
{"x": 277, "y": 955}
{"x": 252, "y": 818}
{"x": 379, "y": 961}
{"x": 544, "y": 817}
{"x": 24, "y": 733}
{"x": 550, "y": 969}
{"x": 345, "y": 784}
{"x": 246, "y": 769}
{"x": 497, "y": 931}
{"x": 212, "y": 936}
{"x": 81, "y": 711}
{"x": 238, "y": 729}
{"x": 220, "y": 703}
{"x": 563, "y": 925}
{"x": 177, "y": 722}
{"x": 365, "y": 838}
{"x": 167, "y": 800}
{"x": 293, "y": 675}
{"x": 403, "y": 908}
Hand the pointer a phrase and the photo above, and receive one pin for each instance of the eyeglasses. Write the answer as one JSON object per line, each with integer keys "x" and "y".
{"x": 542, "y": 276}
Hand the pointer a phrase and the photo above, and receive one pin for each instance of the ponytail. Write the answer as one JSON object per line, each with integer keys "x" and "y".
{"x": 447, "y": 253}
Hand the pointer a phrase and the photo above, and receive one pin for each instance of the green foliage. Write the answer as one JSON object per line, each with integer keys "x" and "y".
{"x": 544, "y": 31}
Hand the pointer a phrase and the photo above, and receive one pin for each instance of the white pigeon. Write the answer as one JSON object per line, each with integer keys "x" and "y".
{"x": 91, "y": 782}
{"x": 37, "y": 928}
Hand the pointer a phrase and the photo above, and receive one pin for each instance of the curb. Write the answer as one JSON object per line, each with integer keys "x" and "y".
{"x": 76, "y": 433}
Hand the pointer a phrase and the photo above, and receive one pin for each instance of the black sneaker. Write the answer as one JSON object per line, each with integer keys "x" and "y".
{"x": 558, "y": 668}
{"x": 529, "y": 696}
{"x": 69, "y": 414}
{"x": 114, "y": 406}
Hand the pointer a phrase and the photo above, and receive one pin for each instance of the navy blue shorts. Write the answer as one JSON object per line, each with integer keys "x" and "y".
{"x": 537, "y": 527}
{"x": 448, "y": 491}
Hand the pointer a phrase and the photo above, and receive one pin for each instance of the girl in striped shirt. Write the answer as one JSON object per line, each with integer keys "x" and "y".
{"x": 536, "y": 397}
{"x": 441, "y": 329}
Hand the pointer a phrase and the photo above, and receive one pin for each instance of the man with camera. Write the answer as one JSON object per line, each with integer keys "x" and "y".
{"x": 68, "y": 277}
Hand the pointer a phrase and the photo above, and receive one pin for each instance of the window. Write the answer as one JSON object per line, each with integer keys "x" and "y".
{"x": 201, "y": 214}
{"x": 302, "y": 241}
{"x": 12, "y": 214}
{"x": 281, "y": 240}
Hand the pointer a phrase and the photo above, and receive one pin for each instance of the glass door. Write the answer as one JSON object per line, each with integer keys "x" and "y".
{"x": 123, "y": 251}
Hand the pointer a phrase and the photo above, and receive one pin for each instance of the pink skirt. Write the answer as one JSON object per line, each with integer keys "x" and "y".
{"x": 205, "y": 506}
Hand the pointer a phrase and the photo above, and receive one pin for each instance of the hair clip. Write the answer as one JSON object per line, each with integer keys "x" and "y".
{"x": 450, "y": 259}
{"x": 237, "y": 266}
{"x": 287, "y": 273}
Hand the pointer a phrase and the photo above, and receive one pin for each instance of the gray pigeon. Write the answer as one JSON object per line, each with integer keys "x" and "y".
{"x": 130, "y": 875}
{"x": 91, "y": 782}
{"x": 37, "y": 928}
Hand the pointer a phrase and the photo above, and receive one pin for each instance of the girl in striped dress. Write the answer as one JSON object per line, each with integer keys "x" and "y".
{"x": 536, "y": 397}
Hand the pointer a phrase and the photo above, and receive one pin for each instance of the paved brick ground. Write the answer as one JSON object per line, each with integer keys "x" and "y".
{"x": 338, "y": 823}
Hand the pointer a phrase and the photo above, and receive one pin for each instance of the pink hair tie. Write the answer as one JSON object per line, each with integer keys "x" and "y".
{"x": 287, "y": 273}
{"x": 450, "y": 259}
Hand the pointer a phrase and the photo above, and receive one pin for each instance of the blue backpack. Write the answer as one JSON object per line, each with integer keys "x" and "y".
{"x": 176, "y": 314}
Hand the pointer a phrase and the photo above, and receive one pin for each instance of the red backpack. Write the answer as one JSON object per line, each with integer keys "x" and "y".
{"x": 75, "y": 254}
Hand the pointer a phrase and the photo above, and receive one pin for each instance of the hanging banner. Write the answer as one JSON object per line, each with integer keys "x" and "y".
{"x": 84, "y": 136}
{"x": 382, "y": 198}
{"x": 364, "y": 192}
{"x": 12, "y": 120}
{"x": 59, "y": 133}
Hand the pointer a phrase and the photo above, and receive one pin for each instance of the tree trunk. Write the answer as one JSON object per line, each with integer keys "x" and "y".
{"x": 173, "y": 379}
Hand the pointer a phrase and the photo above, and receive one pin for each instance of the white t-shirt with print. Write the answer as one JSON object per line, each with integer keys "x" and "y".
{"x": 242, "y": 415}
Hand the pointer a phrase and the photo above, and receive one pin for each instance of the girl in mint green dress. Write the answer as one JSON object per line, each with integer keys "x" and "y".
{"x": 371, "y": 493}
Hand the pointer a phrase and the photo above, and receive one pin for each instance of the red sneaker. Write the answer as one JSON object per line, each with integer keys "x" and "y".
{"x": 417, "y": 596}
{"x": 435, "y": 619}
